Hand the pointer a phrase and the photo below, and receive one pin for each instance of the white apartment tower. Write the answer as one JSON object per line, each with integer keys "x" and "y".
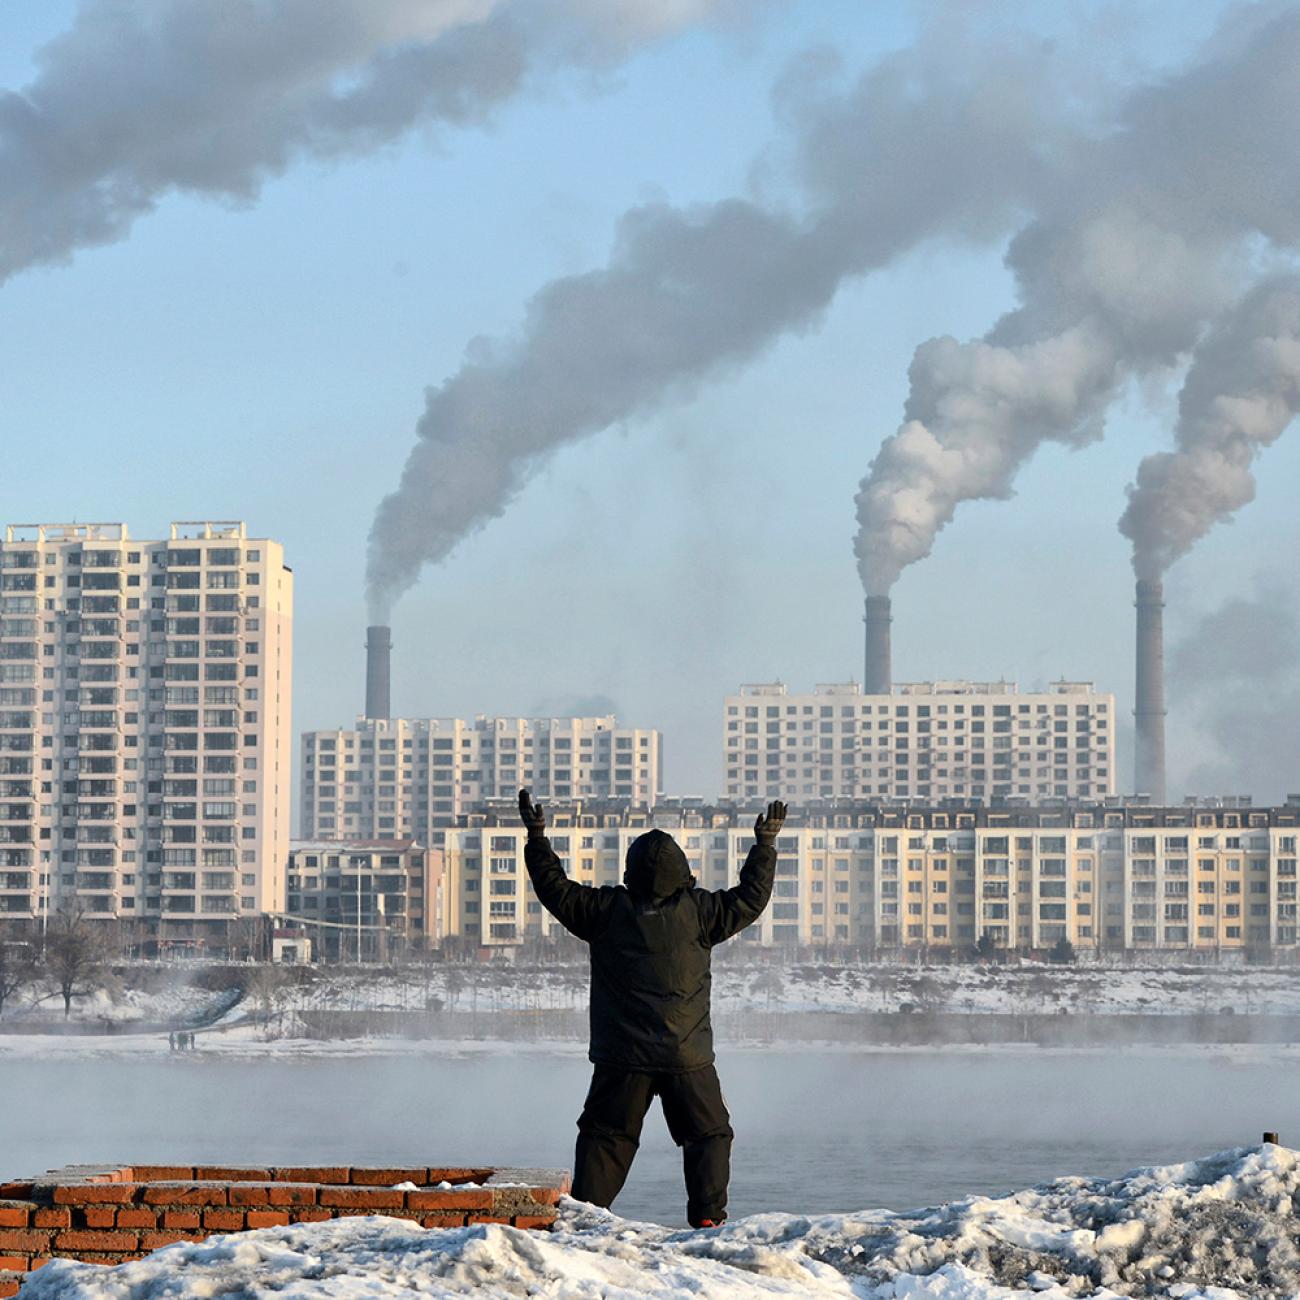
{"x": 412, "y": 777}
{"x": 145, "y": 691}
{"x": 924, "y": 740}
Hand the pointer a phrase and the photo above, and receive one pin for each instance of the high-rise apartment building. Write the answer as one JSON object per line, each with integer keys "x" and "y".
{"x": 411, "y": 777}
{"x": 926, "y": 740}
{"x": 1205, "y": 878}
{"x": 145, "y": 692}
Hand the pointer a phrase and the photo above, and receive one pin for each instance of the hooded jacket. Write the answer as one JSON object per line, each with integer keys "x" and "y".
{"x": 651, "y": 939}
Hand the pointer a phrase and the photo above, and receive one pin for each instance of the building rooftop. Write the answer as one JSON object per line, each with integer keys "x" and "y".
{"x": 937, "y": 687}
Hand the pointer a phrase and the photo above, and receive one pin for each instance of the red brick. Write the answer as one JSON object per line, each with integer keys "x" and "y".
{"x": 186, "y": 1194}
{"x": 475, "y": 1217}
{"x": 442, "y": 1220}
{"x": 456, "y": 1175}
{"x": 8, "y": 1286}
{"x": 311, "y": 1173}
{"x": 137, "y": 1217}
{"x": 84, "y": 1239}
{"x": 164, "y": 1173}
{"x": 95, "y": 1193}
{"x": 546, "y": 1195}
{"x": 155, "y": 1240}
{"x": 181, "y": 1219}
{"x": 363, "y": 1198}
{"x": 534, "y": 1221}
{"x": 98, "y": 1216}
{"x": 15, "y": 1216}
{"x": 375, "y": 1177}
{"x": 309, "y": 1214}
{"x": 18, "y": 1239}
{"x": 13, "y": 1264}
{"x": 52, "y": 1216}
{"x": 432, "y": 1198}
{"x": 273, "y": 1194}
{"x": 232, "y": 1174}
{"x": 16, "y": 1191}
{"x": 223, "y": 1220}
{"x": 267, "y": 1218}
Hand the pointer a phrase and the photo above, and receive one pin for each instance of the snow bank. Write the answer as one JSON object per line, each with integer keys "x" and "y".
{"x": 1221, "y": 1228}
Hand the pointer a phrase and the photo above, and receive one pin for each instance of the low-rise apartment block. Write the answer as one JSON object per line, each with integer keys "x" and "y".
{"x": 1208, "y": 878}
{"x": 412, "y": 777}
{"x": 145, "y": 691}
{"x": 364, "y": 900}
{"x": 924, "y": 740}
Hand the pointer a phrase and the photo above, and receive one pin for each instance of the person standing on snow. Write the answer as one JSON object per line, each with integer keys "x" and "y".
{"x": 651, "y": 940}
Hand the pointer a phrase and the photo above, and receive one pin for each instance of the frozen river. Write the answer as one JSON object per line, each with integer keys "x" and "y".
{"x": 816, "y": 1130}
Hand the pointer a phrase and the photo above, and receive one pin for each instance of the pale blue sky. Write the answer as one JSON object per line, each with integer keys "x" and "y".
{"x": 268, "y": 363}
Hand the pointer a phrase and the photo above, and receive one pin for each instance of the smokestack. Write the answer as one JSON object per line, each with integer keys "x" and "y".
{"x": 1149, "y": 692}
{"x": 877, "y": 675}
{"x": 379, "y": 651}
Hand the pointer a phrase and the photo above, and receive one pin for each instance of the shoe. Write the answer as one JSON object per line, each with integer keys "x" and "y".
{"x": 709, "y": 1223}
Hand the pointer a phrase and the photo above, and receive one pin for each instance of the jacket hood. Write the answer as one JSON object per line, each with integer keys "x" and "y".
{"x": 656, "y": 867}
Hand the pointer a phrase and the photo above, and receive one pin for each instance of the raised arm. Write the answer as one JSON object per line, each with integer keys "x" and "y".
{"x": 725, "y": 912}
{"x": 577, "y": 907}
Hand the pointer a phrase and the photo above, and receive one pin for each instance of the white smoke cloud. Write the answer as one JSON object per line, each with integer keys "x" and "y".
{"x": 1143, "y": 237}
{"x": 142, "y": 98}
{"x": 689, "y": 292}
{"x": 1240, "y": 393}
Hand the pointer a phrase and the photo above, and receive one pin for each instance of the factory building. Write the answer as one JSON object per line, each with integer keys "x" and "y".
{"x": 145, "y": 690}
{"x": 922, "y": 740}
{"x": 1203, "y": 879}
{"x": 412, "y": 777}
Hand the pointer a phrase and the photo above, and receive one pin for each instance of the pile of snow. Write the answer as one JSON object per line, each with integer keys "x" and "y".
{"x": 117, "y": 1004}
{"x": 1217, "y": 1229}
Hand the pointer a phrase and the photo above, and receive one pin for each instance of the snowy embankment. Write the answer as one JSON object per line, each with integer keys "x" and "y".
{"x": 1219, "y": 1228}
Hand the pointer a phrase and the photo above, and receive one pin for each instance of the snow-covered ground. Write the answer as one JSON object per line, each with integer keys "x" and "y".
{"x": 1014, "y": 988}
{"x": 1220, "y": 1228}
{"x": 276, "y": 996}
{"x": 119, "y": 1003}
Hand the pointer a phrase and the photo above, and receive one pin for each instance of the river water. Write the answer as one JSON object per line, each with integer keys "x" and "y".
{"x": 816, "y": 1130}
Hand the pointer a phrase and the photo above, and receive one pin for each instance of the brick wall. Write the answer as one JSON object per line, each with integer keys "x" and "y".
{"x": 109, "y": 1214}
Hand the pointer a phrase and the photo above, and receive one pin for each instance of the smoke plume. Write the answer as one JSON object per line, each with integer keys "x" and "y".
{"x": 142, "y": 98}
{"x": 1132, "y": 218}
{"x": 1142, "y": 239}
{"x": 1235, "y": 680}
{"x": 1241, "y": 391}
{"x": 690, "y": 292}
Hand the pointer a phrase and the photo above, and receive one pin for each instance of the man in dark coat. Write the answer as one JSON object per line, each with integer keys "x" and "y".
{"x": 651, "y": 940}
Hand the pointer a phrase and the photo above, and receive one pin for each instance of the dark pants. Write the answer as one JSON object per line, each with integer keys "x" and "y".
{"x": 609, "y": 1132}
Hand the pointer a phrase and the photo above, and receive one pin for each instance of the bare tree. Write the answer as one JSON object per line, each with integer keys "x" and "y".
{"x": 76, "y": 952}
{"x": 16, "y": 969}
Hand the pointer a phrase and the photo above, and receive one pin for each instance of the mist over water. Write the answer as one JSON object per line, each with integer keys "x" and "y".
{"x": 817, "y": 1130}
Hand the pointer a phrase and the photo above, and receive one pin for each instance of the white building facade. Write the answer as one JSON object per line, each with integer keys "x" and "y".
{"x": 1108, "y": 876}
{"x": 924, "y": 740}
{"x": 145, "y": 726}
{"x": 412, "y": 777}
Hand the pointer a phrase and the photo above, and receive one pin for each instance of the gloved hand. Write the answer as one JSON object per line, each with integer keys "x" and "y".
{"x": 768, "y": 826}
{"x": 533, "y": 815}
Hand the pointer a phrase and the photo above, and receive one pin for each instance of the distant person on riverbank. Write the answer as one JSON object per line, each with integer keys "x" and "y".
{"x": 651, "y": 939}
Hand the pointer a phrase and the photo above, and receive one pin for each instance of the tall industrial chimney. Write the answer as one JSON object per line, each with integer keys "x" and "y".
{"x": 1149, "y": 692}
{"x": 877, "y": 675}
{"x": 379, "y": 652}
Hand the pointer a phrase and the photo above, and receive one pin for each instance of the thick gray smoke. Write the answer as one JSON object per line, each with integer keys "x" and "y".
{"x": 1241, "y": 392}
{"x": 1132, "y": 235}
{"x": 690, "y": 292}
{"x": 141, "y": 98}
{"x": 1140, "y": 241}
